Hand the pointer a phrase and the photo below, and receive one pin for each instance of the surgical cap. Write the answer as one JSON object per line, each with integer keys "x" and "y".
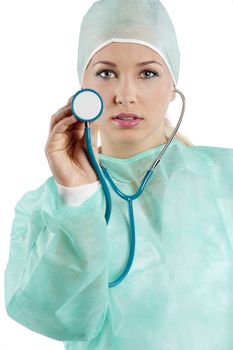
{"x": 144, "y": 22}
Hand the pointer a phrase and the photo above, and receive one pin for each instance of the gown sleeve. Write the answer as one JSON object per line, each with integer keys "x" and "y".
{"x": 74, "y": 196}
{"x": 56, "y": 279}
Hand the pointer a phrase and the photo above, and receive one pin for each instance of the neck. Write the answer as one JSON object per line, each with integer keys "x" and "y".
{"x": 126, "y": 150}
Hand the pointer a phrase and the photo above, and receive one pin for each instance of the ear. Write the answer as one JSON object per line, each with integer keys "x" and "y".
{"x": 173, "y": 95}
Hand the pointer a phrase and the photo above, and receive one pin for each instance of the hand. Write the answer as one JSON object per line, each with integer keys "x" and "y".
{"x": 66, "y": 150}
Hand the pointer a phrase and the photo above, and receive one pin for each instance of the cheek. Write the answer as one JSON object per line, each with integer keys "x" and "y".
{"x": 107, "y": 95}
{"x": 108, "y": 104}
{"x": 155, "y": 100}
{"x": 103, "y": 119}
{"x": 156, "y": 104}
{"x": 160, "y": 97}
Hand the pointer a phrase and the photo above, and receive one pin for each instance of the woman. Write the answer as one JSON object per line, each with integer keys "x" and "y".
{"x": 177, "y": 294}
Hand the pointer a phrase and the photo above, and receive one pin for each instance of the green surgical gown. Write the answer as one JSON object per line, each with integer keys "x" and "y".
{"x": 178, "y": 294}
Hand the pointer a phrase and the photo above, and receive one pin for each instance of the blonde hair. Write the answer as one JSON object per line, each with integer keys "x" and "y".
{"x": 169, "y": 130}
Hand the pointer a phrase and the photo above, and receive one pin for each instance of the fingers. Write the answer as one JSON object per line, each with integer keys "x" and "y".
{"x": 63, "y": 120}
{"x": 62, "y": 125}
{"x": 59, "y": 115}
{"x": 69, "y": 101}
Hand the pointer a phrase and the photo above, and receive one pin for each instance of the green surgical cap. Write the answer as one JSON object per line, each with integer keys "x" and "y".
{"x": 144, "y": 22}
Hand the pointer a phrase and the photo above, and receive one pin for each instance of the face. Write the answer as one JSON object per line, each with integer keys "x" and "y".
{"x": 128, "y": 86}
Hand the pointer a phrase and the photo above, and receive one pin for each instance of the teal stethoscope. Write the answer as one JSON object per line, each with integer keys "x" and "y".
{"x": 87, "y": 105}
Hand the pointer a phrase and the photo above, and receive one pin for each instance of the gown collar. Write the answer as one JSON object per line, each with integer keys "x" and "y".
{"x": 134, "y": 168}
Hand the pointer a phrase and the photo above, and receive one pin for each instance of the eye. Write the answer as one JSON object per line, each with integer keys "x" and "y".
{"x": 104, "y": 71}
{"x": 155, "y": 74}
{"x": 105, "y": 77}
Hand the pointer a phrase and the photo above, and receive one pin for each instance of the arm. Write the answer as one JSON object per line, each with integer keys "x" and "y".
{"x": 56, "y": 280}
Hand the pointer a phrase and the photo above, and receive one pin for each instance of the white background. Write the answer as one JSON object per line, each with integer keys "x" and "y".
{"x": 39, "y": 44}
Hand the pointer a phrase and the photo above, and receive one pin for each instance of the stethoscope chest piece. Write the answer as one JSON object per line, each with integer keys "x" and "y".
{"x": 87, "y": 105}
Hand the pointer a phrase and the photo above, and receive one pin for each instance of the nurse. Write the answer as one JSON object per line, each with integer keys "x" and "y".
{"x": 177, "y": 294}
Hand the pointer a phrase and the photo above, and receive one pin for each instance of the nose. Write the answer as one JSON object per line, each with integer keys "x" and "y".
{"x": 125, "y": 100}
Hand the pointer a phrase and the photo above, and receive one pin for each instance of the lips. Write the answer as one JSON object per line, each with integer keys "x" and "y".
{"x": 126, "y": 120}
{"x": 126, "y": 116}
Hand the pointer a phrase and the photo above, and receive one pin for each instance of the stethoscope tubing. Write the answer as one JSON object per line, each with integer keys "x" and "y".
{"x": 94, "y": 163}
{"x": 102, "y": 173}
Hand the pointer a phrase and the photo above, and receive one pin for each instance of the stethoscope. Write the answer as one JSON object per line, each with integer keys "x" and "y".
{"x": 87, "y": 105}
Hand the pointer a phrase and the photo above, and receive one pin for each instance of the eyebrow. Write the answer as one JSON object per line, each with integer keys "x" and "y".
{"x": 138, "y": 64}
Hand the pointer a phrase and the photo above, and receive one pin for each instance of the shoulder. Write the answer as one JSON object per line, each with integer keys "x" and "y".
{"x": 219, "y": 163}
{"x": 214, "y": 155}
{"x": 211, "y": 155}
